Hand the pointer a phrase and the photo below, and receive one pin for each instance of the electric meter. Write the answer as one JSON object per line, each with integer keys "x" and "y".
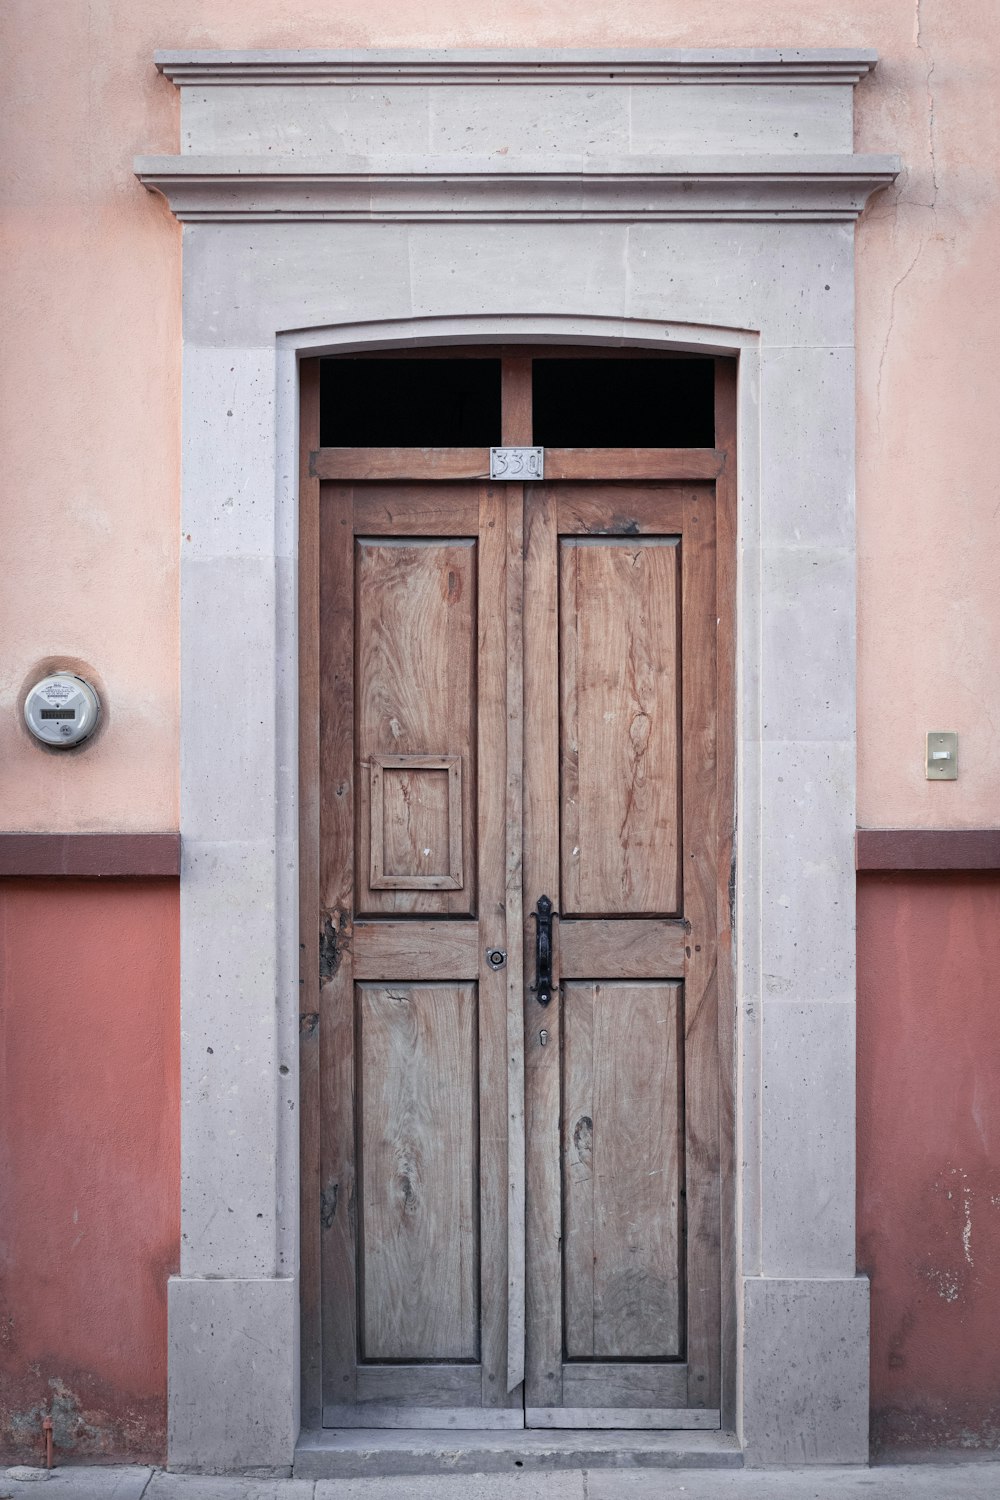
{"x": 62, "y": 710}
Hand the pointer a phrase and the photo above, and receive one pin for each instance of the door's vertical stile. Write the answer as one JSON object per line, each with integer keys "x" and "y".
{"x": 493, "y": 1129}
{"x": 337, "y": 1206}
{"x": 516, "y": 428}
{"x": 725, "y": 594}
{"x": 542, "y": 1033}
{"x": 513, "y": 908}
{"x": 309, "y": 794}
{"x": 701, "y": 1087}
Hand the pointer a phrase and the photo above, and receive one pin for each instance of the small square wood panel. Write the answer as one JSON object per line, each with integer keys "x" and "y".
{"x": 416, "y": 837}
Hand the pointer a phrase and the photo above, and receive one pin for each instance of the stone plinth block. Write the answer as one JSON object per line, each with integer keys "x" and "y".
{"x": 232, "y": 1375}
{"x": 805, "y": 1371}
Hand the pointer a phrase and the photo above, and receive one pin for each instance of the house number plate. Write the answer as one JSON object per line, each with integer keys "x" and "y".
{"x": 517, "y": 463}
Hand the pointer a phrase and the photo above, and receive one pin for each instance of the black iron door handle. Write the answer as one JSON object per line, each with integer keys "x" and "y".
{"x": 543, "y": 914}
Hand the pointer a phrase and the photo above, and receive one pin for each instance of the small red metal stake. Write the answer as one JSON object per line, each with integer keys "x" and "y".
{"x": 47, "y": 1429}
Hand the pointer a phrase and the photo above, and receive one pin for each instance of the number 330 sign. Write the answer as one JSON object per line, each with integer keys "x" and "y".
{"x": 517, "y": 463}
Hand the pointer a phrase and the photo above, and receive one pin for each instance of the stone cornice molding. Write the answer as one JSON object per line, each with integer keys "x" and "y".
{"x": 692, "y": 188}
{"x": 408, "y": 67}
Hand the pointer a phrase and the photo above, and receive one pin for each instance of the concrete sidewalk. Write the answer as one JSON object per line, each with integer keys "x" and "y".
{"x": 968, "y": 1481}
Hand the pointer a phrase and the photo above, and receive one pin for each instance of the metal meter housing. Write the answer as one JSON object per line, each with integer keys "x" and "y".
{"x": 62, "y": 710}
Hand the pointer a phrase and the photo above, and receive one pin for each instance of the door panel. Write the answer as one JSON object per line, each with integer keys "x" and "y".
{"x": 415, "y": 638}
{"x": 618, "y": 664}
{"x": 621, "y": 1170}
{"x": 418, "y": 1221}
{"x": 620, "y": 831}
{"x": 414, "y": 1020}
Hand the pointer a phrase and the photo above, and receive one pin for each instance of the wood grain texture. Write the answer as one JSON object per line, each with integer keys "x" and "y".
{"x": 449, "y": 1385}
{"x": 498, "y": 1129}
{"x": 311, "y": 1365}
{"x": 442, "y": 464}
{"x": 725, "y": 883}
{"x": 437, "y": 464}
{"x": 621, "y": 1110}
{"x": 427, "y": 949}
{"x": 615, "y": 1416}
{"x": 544, "y": 1338}
{"x": 419, "y": 1222}
{"x": 416, "y": 822}
{"x": 619, "y": 720}
{"x": 625, "y": 510}
{"x": 516, "y": 401}
{"x": 596, "y": 1384}
{"x": 622, "y": 949}
{"x": 631, "y": 463}
{"x": 513, "y": 901}
{"x": 701, "y": 1018}
{"x": 410, "y": 1414}
{"x": 336, "y": 1207}
{"x": 415, "y": 643}
{"x": 398, "y": 510}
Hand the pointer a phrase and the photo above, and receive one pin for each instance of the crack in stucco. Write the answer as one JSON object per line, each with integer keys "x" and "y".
{"x": 888, "y": 332}
{"x": 929, "y": 66}
{"x": 929, "y": 89}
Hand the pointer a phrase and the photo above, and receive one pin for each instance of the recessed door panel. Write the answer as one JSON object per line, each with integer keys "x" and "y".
{"x": 415, "y": 636}
{"x": 622, "y": 1271}
{"x": 618, "y": 645}
{"x": 418, "y": 1202}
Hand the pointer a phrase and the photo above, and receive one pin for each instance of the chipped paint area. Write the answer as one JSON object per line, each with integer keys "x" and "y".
{"x": 89, "y": 1420}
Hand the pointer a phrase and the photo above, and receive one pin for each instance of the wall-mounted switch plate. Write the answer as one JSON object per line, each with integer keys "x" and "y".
{"x": 942, "y": 755}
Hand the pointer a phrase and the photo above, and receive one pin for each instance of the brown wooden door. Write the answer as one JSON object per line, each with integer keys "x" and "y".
{"x": 519, "y": 1204}
{"x": 417, "y": 805}
{"x": 622, "y": 1066}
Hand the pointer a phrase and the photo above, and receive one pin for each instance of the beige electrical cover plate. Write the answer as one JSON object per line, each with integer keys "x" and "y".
{"x": 942, "y": 755}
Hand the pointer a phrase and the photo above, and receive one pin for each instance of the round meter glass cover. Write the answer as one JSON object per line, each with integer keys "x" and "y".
{"x": 62, "y": 710}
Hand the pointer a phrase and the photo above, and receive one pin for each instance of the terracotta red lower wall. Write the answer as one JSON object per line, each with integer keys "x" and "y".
{"x": 89, "y": 1163}
{"x": 89, "y": 1159}
{"x": 929, "y": 1155}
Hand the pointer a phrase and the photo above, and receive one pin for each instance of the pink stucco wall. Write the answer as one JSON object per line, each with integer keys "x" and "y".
{"x": 90, "y": 414}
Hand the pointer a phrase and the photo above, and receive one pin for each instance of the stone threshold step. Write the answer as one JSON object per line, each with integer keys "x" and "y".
{"x": 365, "y": 1452}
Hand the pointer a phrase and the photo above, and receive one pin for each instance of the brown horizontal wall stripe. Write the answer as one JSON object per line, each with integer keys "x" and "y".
{"x": 89, "y": 856}
{"x": 150, "y": 855}
{"x": 928, "y": 849}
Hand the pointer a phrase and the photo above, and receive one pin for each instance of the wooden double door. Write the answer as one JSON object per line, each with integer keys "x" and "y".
{"x": 519, "y": 1182}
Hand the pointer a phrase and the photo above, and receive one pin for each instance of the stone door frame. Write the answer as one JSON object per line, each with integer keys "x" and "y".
{"x": 745, "y": 252}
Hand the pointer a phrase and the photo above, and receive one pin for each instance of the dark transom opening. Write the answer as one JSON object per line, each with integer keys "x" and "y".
{"x": 410, "y": 403}
{"x": 624, "y": 403}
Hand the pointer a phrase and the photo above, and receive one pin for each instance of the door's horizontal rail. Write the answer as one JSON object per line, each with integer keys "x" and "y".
{"x": 452, "y": 1384}
{"x": 402, "y": 1414}
{"x": 474, "y": 463}
{"x": 600, "y": 948}
{"x": 617, "y": 1416}
{"x": 415, "y": 950}
{"x": 620, "y": 1384}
